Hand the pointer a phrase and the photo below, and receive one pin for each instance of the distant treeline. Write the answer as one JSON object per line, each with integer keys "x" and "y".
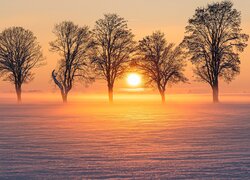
{"x": 212, "y": 42}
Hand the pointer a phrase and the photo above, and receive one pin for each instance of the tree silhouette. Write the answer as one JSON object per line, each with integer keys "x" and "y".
{"x": 19, "y": 54}
{"x": 72, "y": 43}
{"x": 113, "y": 47}
{"x": 214, "y": 40}
{"x": 160, "y": 62}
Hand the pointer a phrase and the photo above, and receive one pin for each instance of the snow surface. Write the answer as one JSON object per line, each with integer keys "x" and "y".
{"x": 132, "y": 140}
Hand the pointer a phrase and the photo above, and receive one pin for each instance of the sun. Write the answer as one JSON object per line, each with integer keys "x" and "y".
{"x": 133, "y": 79}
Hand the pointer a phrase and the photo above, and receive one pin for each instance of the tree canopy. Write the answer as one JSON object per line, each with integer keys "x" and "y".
{"x": 214, "y": 40}
{"x": 114, "y": 44}
{"x": 19, "y": 54}
{"x": 72, "y": 43}
{"x": 161, "y": 63}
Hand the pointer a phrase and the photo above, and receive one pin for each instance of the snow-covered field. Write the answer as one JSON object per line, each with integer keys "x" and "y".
{"x": 129, "y": 139}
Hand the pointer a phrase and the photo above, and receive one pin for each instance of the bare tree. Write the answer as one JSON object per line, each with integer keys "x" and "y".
{"x": 19, "y": 54}
{"x": 113, "y": 47}
{"x": 72, "y": 43}
{"x": 214, "y": 39}
{"x": 160, "y": 62}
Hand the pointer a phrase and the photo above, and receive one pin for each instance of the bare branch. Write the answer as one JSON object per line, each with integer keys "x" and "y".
{"x": 73, "y": 44}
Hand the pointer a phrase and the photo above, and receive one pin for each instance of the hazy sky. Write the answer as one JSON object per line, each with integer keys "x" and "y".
{"x": 144, "y": 17}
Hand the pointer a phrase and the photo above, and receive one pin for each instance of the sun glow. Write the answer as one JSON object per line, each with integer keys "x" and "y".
{"x": 133, "y": 79}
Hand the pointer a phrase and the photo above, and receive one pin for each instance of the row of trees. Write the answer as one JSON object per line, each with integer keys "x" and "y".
{"x": 212, "y": 42}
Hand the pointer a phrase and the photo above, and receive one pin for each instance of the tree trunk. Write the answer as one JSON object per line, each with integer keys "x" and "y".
{"x": 110, "y": 91}
{"x": 163, "y": 97}
{"x": 215, "y": 89}
{"x": 19, "y": 93}
{"x": 64, "y": 97}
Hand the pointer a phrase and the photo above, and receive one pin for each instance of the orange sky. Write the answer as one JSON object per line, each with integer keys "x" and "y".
{"x": 144, "y": 16}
